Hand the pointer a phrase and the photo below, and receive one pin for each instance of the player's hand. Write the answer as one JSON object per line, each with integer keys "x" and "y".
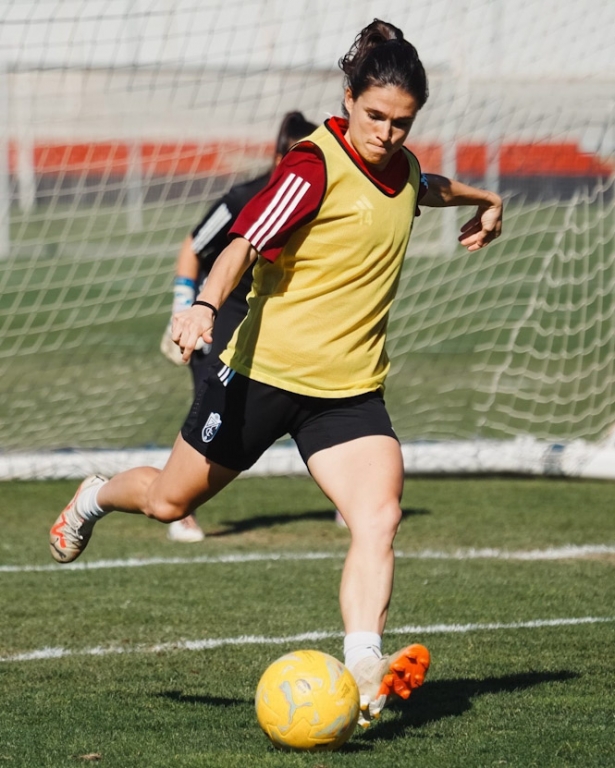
{"x": 192, "y": 330}
{"x": 483, "y": 227}
{"x": 169, "y": 348}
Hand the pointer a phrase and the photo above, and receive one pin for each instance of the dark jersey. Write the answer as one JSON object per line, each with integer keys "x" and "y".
{"x": 210, "y": 236}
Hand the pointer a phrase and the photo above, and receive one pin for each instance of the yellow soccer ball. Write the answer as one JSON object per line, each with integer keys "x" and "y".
{"x": 307, "y": 700}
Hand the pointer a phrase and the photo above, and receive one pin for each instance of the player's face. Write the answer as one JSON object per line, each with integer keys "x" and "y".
{"x": 379, "y": 122}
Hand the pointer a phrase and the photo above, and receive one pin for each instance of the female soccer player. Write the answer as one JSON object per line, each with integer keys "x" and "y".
{"x": 328, "y": 235}
{"x": 195, "y": 259}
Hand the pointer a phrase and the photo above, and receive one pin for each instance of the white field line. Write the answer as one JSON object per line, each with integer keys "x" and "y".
{"x": 306, "y": 637}
{"x": 552, "y": 553}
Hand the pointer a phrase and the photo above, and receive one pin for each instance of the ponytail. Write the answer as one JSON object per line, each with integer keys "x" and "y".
{"x": 380, "y": 56}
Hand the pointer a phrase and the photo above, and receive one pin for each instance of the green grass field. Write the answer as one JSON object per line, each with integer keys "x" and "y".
{"x": 153, "y": 660}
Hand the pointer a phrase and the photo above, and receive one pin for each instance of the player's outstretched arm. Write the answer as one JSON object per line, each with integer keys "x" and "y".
{"x": 484, "y": 226}
{"x": 197, "y": 322}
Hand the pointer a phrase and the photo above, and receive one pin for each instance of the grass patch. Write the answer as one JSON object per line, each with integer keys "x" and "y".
{"x": 524, "y": 696}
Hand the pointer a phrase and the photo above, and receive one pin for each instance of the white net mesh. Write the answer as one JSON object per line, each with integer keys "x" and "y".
{"x": 122, "y": 121}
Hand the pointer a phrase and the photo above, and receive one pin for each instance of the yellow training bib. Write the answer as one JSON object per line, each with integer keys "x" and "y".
{"x": 318, "y": 315}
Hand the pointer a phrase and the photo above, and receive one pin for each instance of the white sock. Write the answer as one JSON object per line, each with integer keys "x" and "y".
{"x": 358, "y": 645}
{"x": 87, "y": 506}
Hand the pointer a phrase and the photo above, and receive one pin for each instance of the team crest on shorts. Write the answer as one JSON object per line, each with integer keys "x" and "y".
{"x": 212, "y": 425}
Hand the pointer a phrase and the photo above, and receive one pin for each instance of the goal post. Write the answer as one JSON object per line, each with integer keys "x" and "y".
{"x": 122, "y": 121}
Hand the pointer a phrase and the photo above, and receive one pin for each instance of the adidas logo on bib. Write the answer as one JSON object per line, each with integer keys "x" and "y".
{"x": 365, "y": 210}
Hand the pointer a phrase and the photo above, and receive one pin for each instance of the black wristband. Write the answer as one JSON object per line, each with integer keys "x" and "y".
{"x": 214, "y": 311}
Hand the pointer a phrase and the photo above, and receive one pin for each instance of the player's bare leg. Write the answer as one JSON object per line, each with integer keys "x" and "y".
{"x": 364, "y": 479}
{"x": 187, "y": 481}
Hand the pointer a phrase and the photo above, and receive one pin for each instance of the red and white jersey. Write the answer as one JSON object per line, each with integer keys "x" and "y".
{"x": 295, "y": 192}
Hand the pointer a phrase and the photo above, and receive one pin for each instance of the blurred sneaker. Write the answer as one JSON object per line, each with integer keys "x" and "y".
{"x": 187, "y": 531}
{"x": 70, "y": 533}
{"x": 339, "y": 520}
{"x": 379, "y": 678}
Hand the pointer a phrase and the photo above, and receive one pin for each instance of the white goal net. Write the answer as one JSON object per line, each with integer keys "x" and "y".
{"x": 121, "y": 121}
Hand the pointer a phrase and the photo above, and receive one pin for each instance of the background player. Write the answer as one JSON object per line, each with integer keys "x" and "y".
{"x": 195, "y": 259}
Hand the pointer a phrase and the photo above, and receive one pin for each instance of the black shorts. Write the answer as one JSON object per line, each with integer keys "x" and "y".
{"x": 234, "y": 419}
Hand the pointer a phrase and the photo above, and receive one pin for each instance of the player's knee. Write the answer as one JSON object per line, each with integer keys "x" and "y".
{"x": 164, "y": 510}
{"x": 378, "y": 525}
{"x": 387, "y": 519}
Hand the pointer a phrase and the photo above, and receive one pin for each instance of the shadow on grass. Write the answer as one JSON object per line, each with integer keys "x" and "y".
{"x": 220, "y": 701}
{"x": 209, "y": 701}
{"x": 234, "y": 527}
{"x": 451, "y": 698}
{"x": 431, "y": 703}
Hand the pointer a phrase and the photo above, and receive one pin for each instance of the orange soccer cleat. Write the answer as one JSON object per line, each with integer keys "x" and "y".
{"x": 398, "y": 675}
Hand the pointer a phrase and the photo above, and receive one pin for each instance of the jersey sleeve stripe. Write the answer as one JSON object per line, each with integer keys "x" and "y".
{"x": 211, "y": 227}
{"x": 279, "y": 197}
{"x": 294, "y": 189}
{"x": 260, "y": 237}
{"x": 283, "y": 215}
